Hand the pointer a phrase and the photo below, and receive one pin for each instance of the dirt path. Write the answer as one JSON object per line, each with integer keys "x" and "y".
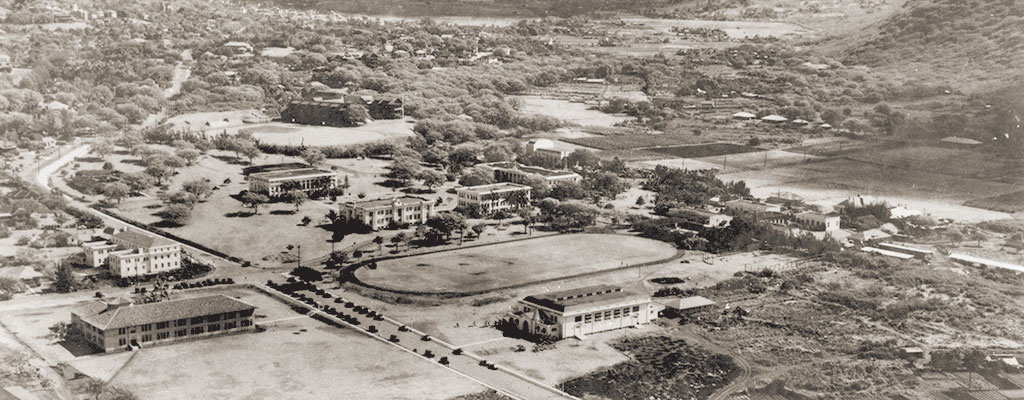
{"x": 746, "y": 377}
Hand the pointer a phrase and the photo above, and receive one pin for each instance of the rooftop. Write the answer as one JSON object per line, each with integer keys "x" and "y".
{"x": 100, "y": 315}
{"x": 291, "y": 173}
{"x": 528, "y": 169}
{"x": 585, "y": 297}
{"x": 687, "y": 303}
{"x": 142, "y": 239}
{"x": 370, "y": 204}
{"x": 493, "y": 187}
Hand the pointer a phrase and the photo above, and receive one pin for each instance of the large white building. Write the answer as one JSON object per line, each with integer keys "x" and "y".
{"x": 492, "y": 197}
{"x": 813, "y": 221}
{"x": 131, "y": 253}
{"x": 377, "y": 214}
{"x": 746, "y": 207}
{"x": 579, "y": 312}
{"x": 278, "y": 183}
{"x": 507, "y": 171}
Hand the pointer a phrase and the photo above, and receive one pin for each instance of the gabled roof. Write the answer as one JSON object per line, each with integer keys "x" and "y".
{"x": 20, "y": 273}
{"x": 687, "y": 303}
{"x": 571, "y": 300}
{"x": 143, "y": 240}
{"x": 123, "y": 316}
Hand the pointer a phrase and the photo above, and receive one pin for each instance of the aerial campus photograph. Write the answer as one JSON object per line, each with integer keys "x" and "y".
{"x": 512, "y": 199}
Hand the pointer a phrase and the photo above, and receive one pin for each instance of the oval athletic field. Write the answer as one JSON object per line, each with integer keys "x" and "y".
{"x": 484, "y": 268}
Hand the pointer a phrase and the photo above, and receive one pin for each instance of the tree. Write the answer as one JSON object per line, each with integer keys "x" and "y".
{"x": 253, "y": 200}
{"x": 355, "y": 114}
{"x": 177, "y": 214}
{"x": 201, "y": 188}
{"x": 379, "y": 241}
{"x": 640, "y": 201}
{"x": 160, "y": 172}
{"x": 398, "y": 239}
{"x": 518, "y": 199}
{"x": 116, "y": 191}
{"x": 8, "y": 287}
{"x": 103, "y": 148}
{"x": 479, "y": 229}
{"x": 476, "y": 177}
{"x": 64, "y": 279}
{"x": 306, "y": 220}
{"x": 431, "y": 178}
{"x": 339, "y": 258}
{"x": 190, "y": 155}
{"x": 606, "y": 184}
{"x": 526, "y": 218}
{"x": 182, "y": 197}
{"x": 447, "y": 223}
{"x": 297, "y": 197}
{"x": 404, "y": 169}
{"x": 313, "y": 156}
{"x": 248, "y": 150}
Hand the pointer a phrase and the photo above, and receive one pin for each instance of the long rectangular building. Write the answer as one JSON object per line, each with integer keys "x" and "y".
{"x": 492, "y": 197}
{"x": 278, "y": 183}
{"x": 507, "y": 171}
{"x": 118, "y": 324}
{"x": 579, "y": 312}
{"x": 378, "y": 214}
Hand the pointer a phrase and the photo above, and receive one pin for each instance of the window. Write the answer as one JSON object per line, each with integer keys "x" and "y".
{"x": 607, "y": 314}
{"x": 213, "y": 318}
{"x": 147, "y": 338}
{"x": 122, "y": 342}
{"x": 246, "y": 322}
{"x": 636, "y": 308}
{"x": 162, "y": 325}
{"x": 162, "y": 335}
{"x": 181, "y": 322}
{"x": 597, "y": 317}
{"x": 617, "y": 313}
{"x": 196, "y": 320}
{"x": 121, "y": 331}
{"x": 579, "y": 318}
{"x": 230, "y": 325}
{"x": 213, "y": 327}
{"x": 625, "y": 311}
{"x": 197, "y": 330}
{"x": 147, "y": 327}
{"x": 179, "y": 333}
{"x": 230, "y": 315}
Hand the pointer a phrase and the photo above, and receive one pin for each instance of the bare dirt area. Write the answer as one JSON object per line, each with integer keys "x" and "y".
{"x": 491, "y": 267}
{"x": 277, "y": 363}
{"x": 571, "y": 112}
{"x": 207, "y": 121}
{"x": 280, "y": 133}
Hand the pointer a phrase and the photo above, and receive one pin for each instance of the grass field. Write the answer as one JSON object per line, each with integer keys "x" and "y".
{"x": 490, "y": 267}
{"x": 705, "y": 150}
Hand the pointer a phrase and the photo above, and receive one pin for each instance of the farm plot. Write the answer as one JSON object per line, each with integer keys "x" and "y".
{"x": 704, "y": 150}
{"x": 512, "y": 263}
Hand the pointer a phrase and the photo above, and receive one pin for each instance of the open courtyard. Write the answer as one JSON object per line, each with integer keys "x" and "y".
{"x": 514, "y": 263}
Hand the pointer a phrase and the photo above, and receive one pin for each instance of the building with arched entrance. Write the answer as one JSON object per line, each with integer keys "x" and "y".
{"x": 579, "y": 312}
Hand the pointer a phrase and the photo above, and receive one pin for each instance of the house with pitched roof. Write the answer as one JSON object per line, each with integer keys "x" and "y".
{"x": 117, "y": 323}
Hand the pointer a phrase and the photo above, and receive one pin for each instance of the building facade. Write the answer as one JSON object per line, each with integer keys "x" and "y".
{"x": 278, "y": 183}
{"x": 378, "y": 214}
{"x": 129, "y": 253}
{"x": 746, "y": 207}
{"x": 493, "y": 197}
{"x": 583, "y": 311}
{"x": 506, "y": 171}
{"x": 813, "y": 221}
{"x": 118, "y": 324}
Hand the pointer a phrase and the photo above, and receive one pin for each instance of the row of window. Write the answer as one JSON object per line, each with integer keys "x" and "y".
{"x": 606, "y": 315}
{"x": 185, "y": 322}
{"x": 182, "y": 332}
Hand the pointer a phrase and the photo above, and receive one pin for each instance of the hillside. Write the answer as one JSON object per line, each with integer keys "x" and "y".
{"x": 976, "y": 44}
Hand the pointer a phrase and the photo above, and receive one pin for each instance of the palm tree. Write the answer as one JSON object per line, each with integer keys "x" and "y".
{"x": 380, "y": 244}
